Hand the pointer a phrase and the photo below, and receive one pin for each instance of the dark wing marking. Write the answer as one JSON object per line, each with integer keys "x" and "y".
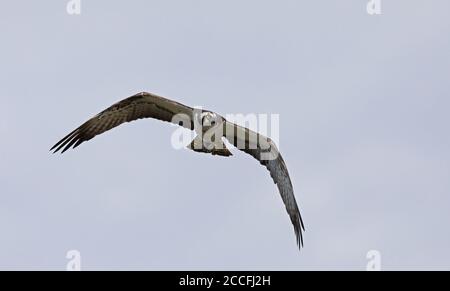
{"x": 241, "y": 138}
{"x": 141, "y": 105}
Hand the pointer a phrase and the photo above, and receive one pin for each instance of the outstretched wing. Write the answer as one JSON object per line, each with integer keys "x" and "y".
{"x": 141, "y": 105}
{"x": 265, "y": 151}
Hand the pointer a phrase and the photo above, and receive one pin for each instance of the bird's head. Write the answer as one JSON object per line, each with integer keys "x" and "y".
{"x": 210, "y": 119}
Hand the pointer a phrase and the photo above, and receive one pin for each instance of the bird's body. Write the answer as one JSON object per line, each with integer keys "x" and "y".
{"x": 210, "y": 127}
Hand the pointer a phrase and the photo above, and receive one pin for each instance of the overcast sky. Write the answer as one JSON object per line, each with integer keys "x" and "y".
{"x": 364, "y": 130}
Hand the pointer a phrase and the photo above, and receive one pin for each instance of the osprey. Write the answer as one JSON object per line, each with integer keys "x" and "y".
{"x": 210, "y": 127}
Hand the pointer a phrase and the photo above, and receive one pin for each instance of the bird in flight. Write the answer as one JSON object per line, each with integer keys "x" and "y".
{"x": 211, "y": 129}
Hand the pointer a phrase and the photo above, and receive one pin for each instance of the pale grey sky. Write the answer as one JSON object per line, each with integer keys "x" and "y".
{"x": 363, "y": 103}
